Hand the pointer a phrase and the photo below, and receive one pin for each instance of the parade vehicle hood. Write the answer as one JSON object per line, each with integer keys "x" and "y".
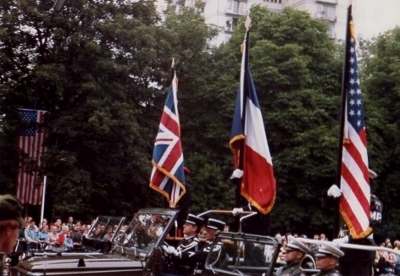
{"x": 88, "y": 265}
{"x": 133, "y": 249}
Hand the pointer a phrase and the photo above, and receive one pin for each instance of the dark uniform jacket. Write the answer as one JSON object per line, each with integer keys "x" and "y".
{"x": 185, "y": 262}
{"x": 205, "y": 249}
{"x": 357, "y": 262}
{"x": 290, "y": 270}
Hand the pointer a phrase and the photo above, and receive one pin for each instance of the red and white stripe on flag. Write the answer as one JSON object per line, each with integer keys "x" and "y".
{"x": 30, "y": 149}
{"x": 354, "y": 181}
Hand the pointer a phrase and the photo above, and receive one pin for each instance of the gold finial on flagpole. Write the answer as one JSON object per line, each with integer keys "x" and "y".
{"x": 247, "y": 23}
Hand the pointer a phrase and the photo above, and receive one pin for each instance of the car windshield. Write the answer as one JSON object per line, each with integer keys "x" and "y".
{"x": 104, "y": 227}
{"x": 142, "y": 234}
{"x": 243, "y": 254}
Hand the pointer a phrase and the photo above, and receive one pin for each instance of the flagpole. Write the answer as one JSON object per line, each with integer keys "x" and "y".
{"x": 43, "y": 199}
{"x": 243, "y": 68}
{"x": 342, "y": 117}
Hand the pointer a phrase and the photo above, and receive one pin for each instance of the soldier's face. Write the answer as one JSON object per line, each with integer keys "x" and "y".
{"x": 211, "y": 234}
{"x": 293, "y": 256}
{"x": 189, "y": 229}
{"x": 326, "y": 263}
{"x": 203, "y": 234}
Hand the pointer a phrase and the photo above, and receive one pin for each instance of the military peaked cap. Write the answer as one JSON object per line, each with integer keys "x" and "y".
{"x": 295, "y": 244}
{"x": 194, "y": 220}
{"x": 216, "y": 224}
{"x": 10, "y": 209}
{"x": 329, "y": 250}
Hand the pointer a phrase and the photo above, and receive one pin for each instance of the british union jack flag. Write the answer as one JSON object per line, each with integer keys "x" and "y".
{"x": 167, "y": 176}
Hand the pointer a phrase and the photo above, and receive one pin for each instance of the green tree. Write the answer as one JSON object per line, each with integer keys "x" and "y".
{"x": 297, "y": 73}
{"x": 203, "y": 136}
{"x": 99, "y": 68}
{"x": 91, "y": 65}
{"x": 382, "y": 86}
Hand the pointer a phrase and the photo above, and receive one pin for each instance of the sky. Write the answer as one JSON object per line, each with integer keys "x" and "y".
{"x": 375, "y": 16}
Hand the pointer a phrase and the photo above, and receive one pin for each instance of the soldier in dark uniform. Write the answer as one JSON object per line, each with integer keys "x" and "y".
{"x": 358, "y": 262}
{"x": 295, "y": 251}
{"x": 211, "y": 229}
{"x": 11, "y": 222}
{"x": 328, "y": 259}
{"x": 181, "y": 259}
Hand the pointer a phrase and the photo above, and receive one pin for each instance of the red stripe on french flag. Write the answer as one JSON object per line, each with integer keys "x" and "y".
{"x": 258, "y": 185}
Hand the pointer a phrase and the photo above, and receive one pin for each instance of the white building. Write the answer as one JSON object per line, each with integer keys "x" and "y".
{"x": 224, "y": 14}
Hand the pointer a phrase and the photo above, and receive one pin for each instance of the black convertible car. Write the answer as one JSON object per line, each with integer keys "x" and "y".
{"x": 136, "y": 250}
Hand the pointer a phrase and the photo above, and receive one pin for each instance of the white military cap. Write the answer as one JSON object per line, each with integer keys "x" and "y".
{"x": 295, "y": 244}
{"x": 329, "y": 250}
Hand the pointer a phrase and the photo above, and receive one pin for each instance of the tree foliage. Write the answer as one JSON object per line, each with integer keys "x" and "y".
{"x": 91, "y": 66}
{"x": 382, "y": 86}
{"x": 297, "y": 74}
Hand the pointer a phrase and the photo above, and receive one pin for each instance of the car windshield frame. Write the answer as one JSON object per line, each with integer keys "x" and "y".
{"x": 106, "y": 221}
{"x": 219, "y": 259}
{"x": 145, "y": 232}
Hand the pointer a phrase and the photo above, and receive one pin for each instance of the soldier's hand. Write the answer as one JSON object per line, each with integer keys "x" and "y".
{"x": 334, "y": 191}
{"x": 168, "y": 249}
{"x": 237, "y": 174}
{"x": 175, "y": 252}
{"x": 237, "y": 211}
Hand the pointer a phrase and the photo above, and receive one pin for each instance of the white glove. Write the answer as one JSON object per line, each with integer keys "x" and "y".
{"x": 171, "y": 250}
{"x": 237, "y": 211}
{"x": 237, "y": 174}
{"x": 168, "y": 249}
{"x": 175, "y": 252}
{"x": 334, "y": 191}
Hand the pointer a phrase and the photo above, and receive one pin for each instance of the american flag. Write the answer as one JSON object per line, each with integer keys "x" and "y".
{"x": 354, "y": 181}
{"x": 31, "y": 149}
{"x": 167, "y": 176}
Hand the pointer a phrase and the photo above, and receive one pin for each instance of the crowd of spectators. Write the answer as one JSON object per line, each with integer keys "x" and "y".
{"x": 386, "y": 262}
{"x": 55, "y": 235}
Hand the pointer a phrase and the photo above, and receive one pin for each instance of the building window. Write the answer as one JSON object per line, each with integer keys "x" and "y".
{"x": 228, "y": 26}
{"x": 236, "y": 5}
{"x": 190, "y": 3}
{"x": 235, "y": 22}
{"x": 327, "y": 12}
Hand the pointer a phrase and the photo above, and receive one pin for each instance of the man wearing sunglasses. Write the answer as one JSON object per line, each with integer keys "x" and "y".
{"x": 295, "y": 251}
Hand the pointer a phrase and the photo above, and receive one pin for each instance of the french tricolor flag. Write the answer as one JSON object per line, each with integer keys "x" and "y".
{"x": 249, "y": 142}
